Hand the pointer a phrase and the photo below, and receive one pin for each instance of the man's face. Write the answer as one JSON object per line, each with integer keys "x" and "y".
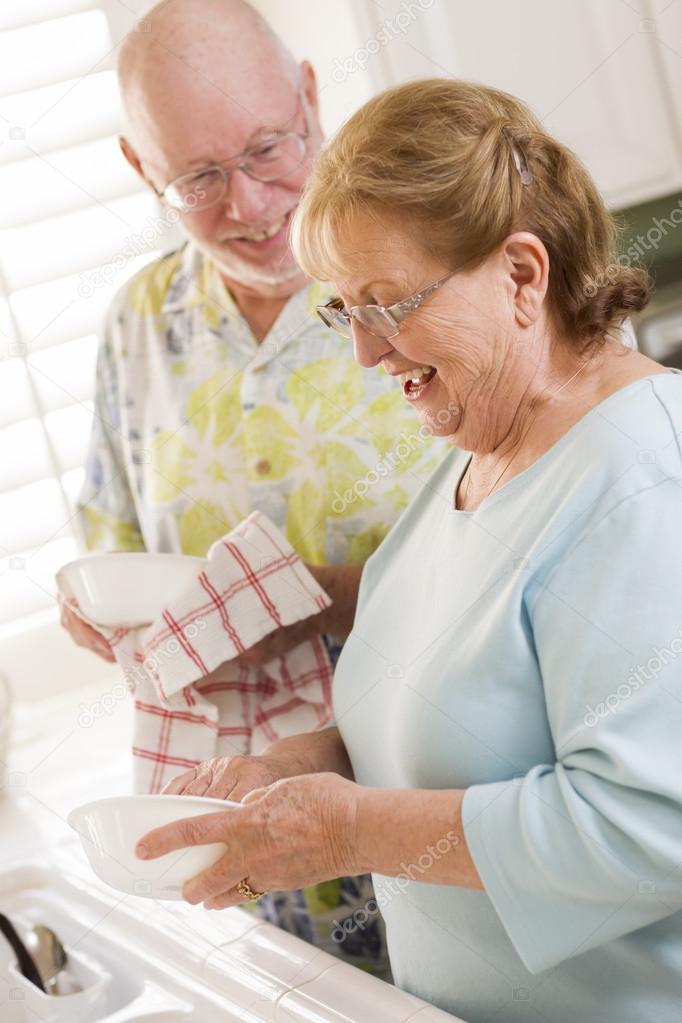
{"x": 246, "y": 232}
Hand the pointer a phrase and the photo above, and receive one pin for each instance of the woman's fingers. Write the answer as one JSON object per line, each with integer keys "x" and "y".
{"x": 253, "y": 795}
{"x": 203, "y": 830}
{"x": 224, "y": 778}
{"x": 176, "y": 786}
{"x": 217, "y": 880}
{"x": 231, "y": 897}
{"x": 200, "y": 783}
{"x": 225, "y": 901}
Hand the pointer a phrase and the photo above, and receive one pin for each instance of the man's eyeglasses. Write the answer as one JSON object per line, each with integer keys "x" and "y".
{"x": 276, "y": 155}
{"x": 380, "y": 320}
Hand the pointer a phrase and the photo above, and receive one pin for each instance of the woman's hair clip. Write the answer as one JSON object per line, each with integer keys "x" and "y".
{"x": 521, "y": 165}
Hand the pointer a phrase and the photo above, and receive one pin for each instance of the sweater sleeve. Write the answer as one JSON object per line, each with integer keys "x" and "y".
{"x": 587, "y": 849}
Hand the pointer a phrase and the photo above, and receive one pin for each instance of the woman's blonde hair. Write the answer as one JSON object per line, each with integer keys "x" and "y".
{"x": 462, "y": 166}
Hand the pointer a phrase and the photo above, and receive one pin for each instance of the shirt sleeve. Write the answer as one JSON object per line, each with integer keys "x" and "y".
{"x": 106, "y": 508}
{"x": 587, "y": 849}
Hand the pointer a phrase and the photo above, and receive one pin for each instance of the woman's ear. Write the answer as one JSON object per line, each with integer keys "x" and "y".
{"x": 527, "y": 262}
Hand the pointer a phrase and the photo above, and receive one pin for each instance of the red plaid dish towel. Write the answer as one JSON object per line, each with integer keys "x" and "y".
{"x": 193, "y": 700}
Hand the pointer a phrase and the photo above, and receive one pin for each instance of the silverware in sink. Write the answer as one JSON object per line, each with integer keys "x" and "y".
{"x": 24, "y": 958}
{"x": 50, "y": 958}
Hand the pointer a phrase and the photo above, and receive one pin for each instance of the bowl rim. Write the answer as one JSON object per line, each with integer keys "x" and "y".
{"x": 100, "y": 556}
{"x": 78, "y": 812}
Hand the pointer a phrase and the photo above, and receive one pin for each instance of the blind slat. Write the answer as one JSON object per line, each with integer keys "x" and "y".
{"x": 52, "y": 51}
{"x": 31, "y": 11}
{"x": 66, "y": 373}
{"x": 27, "y": 581}
{"x": 108, "y": 234}
{"x": 80, "y": 111}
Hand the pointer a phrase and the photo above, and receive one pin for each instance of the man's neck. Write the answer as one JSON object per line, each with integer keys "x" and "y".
{"x": 260, "y": 309}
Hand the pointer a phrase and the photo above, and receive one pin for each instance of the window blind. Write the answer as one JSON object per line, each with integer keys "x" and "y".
{"x": 71, "y": 206}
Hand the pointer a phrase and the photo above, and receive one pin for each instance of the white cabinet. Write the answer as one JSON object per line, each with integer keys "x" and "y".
{"x": 604, "y": 76}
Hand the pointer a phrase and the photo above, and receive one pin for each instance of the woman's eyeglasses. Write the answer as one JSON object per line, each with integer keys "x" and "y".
{"x": 380, "y": 320}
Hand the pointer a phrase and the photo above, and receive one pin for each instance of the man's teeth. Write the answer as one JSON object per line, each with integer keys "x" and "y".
{"x": 268, "y": 232}
{"x": 416, "y": 376}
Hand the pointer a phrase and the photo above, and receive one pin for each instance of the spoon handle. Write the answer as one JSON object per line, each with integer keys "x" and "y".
{"x": 24, "y": 958}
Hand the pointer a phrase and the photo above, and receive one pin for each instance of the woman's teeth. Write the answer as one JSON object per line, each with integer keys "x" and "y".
{"x": 417, "y": 377}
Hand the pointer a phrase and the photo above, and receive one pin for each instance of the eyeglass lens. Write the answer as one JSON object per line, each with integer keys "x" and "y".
{"x": 274, "y": 160}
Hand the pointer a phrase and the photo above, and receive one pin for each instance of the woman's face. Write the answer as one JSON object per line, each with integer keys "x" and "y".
{"x": 462, "y": 357}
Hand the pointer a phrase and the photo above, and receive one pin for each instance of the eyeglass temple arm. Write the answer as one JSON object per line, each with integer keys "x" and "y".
{"x": 401, "y": 309}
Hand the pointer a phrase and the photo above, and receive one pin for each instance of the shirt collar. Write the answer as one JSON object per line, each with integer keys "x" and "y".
{"x": 196, "y": 282}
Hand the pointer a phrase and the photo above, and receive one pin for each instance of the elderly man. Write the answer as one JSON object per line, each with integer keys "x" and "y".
{"x": 218, "y": 390}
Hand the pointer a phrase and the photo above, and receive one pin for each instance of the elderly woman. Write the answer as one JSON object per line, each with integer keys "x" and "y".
{"x": 507, "y": 758}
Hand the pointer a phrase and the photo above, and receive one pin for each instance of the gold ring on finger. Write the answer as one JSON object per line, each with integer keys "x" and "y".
{"x": 245, "y": 889}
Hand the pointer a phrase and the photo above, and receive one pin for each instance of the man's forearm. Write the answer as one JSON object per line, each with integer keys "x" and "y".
{"x": 342, "y": 583}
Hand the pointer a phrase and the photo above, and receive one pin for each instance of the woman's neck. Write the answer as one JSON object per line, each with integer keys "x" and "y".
{"x": 570, "y": 388}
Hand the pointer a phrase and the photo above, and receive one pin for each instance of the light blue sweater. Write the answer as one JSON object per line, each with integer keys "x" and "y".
{"x": 530, "y": 652}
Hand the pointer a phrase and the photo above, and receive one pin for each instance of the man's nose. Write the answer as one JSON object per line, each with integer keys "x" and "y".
{"x": 247, "y": 200}
{"x": 368, "y": 349}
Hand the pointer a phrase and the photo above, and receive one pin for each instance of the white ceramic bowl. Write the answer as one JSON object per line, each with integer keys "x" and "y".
{"x": 109, "y": 830}
{"x": 127, "y": 588}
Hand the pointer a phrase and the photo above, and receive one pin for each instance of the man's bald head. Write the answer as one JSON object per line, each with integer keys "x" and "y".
{"x": 206, "y": 81}
{"x": 205, "y": 52}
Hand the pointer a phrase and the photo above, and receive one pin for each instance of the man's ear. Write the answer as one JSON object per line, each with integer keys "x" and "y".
{"x": 309, "y": 85}
{"x": 133, "y": 159}
{"x": 527, "y": 262}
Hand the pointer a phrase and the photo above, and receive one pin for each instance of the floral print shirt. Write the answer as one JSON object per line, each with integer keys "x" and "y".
{"x": 196, "y": 425}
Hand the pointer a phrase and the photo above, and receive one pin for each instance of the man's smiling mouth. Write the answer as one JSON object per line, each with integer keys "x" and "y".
{"x": 264, "y": 233}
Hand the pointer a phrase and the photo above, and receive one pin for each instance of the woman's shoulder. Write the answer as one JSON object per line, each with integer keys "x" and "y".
{"x": 643, "y": 415}
{"x": 625, "y": 452}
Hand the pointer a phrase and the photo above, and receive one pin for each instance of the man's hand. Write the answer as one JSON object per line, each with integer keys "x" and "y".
{"x": 84, "y": 635}
{"x": 280, "y": 642}
{"x": 341, "y": 582}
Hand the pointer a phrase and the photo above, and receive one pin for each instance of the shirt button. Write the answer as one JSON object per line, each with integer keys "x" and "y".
{"x": 263, "y": 467}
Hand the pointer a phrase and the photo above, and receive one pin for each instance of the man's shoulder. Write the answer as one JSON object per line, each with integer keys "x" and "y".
{"x": 153, "y": 287}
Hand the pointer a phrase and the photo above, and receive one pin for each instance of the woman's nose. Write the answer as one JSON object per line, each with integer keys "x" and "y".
{"x": 247, "y": 200}
{"x": 368, "y": 350}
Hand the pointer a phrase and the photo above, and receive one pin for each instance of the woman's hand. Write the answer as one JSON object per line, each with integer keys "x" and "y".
{"x": 234, "y": 777}
{"x": 297, "y": 832}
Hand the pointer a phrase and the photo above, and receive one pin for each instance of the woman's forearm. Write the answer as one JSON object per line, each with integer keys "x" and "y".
{"x": 414, "y": 832}
{"x": 315, "y": 751}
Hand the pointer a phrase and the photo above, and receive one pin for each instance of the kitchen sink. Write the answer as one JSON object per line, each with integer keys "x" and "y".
{"x": 167, "y": 962}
